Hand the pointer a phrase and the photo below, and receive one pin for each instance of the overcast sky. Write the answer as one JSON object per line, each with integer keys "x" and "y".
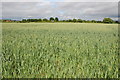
{"x": 60, "y": 0}
{"x": 64, "y": 9}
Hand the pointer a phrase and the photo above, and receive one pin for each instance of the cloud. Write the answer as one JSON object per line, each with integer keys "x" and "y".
{"x": 91, "y": 9}
{"x": 63, "y": 10}
{"x": 25, "y": 9}
{"x": 0, "y": 10}
{"x": 91, "y": 0}
{"x": 59, "y": 0}
{"x": 23, "y": 1}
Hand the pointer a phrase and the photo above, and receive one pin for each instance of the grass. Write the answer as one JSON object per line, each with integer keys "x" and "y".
{"x": 59, "y": 50}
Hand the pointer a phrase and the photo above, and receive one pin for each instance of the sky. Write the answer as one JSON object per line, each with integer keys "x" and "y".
{"x": 63, "y": 9}
{"x": 59, "y": 0}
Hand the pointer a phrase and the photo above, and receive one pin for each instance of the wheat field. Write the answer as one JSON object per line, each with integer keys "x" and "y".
{"x": 59, "y": 50}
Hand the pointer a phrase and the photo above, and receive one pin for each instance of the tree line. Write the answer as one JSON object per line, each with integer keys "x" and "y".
{"x": 56, "y": 19}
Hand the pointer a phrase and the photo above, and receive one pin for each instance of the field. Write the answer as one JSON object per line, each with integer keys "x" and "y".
{"x": 59, "y": 50}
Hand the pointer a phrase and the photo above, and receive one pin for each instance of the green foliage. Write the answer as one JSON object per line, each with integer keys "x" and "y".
{"x": 24, "y": 20}
{"x": 105, "y": 20}
{"x": 80, "y": 20}
{"x": 70, "y": 20}
{"x": 74, "y": 20}
{"x": 40, "y": 20}
{"x": 46, "y": 20}
{"x": 60, "y": 50}
{"x": 56, "y": 19}
{"x": 108, "y": 20}
{"x": 93, "y": 21}
{"x": 51, "y": 19}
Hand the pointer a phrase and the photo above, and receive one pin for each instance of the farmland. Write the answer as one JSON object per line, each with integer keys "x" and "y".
{"x": 59, "y": 50}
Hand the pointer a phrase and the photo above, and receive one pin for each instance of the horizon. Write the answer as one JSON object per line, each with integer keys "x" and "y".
{"x": 54, "y": 18}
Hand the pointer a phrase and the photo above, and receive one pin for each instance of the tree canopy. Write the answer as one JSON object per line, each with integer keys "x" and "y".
{"x": 56, "y": 19}
{"x": 107, "y": 20}
{"x": 51, "y": 19}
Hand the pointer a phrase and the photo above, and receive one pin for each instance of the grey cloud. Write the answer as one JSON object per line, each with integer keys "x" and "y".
{"x": 60, "y": 0}
{"x": 106, "y": 9}
{"x": 63, "y": 10}
{"x": 26, "y": 9}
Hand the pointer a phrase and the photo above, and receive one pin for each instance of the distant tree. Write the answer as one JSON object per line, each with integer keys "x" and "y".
{"x": 99, "y": 22}
{"x": 93, "y": 21}
{"x": 66, "y": 20}
{"x": 107, "y": 20}
{"x": 70, "y": 20}
{"x": 28, "y": 20}
{"x": 40, "y": 20}
{"x": 118, "y": 22}
{"x": 84, "y": 21}
{"x": 32, "y": 20}
{"x": 52, "y": 19}
{"x": 24, "y": 20}
{"x": 74, "y": 20}
{"x": 45, "y": 19}
{"x": 80, "y": 20}
{"x": 35, "y": 20}
{"x": 56, "y": 19}
{"x": 88, "y": 21}
{"x": 63, "y": 21}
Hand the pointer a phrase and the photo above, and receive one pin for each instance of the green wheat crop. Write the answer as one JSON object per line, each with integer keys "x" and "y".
{"x": 59, "y": 50}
